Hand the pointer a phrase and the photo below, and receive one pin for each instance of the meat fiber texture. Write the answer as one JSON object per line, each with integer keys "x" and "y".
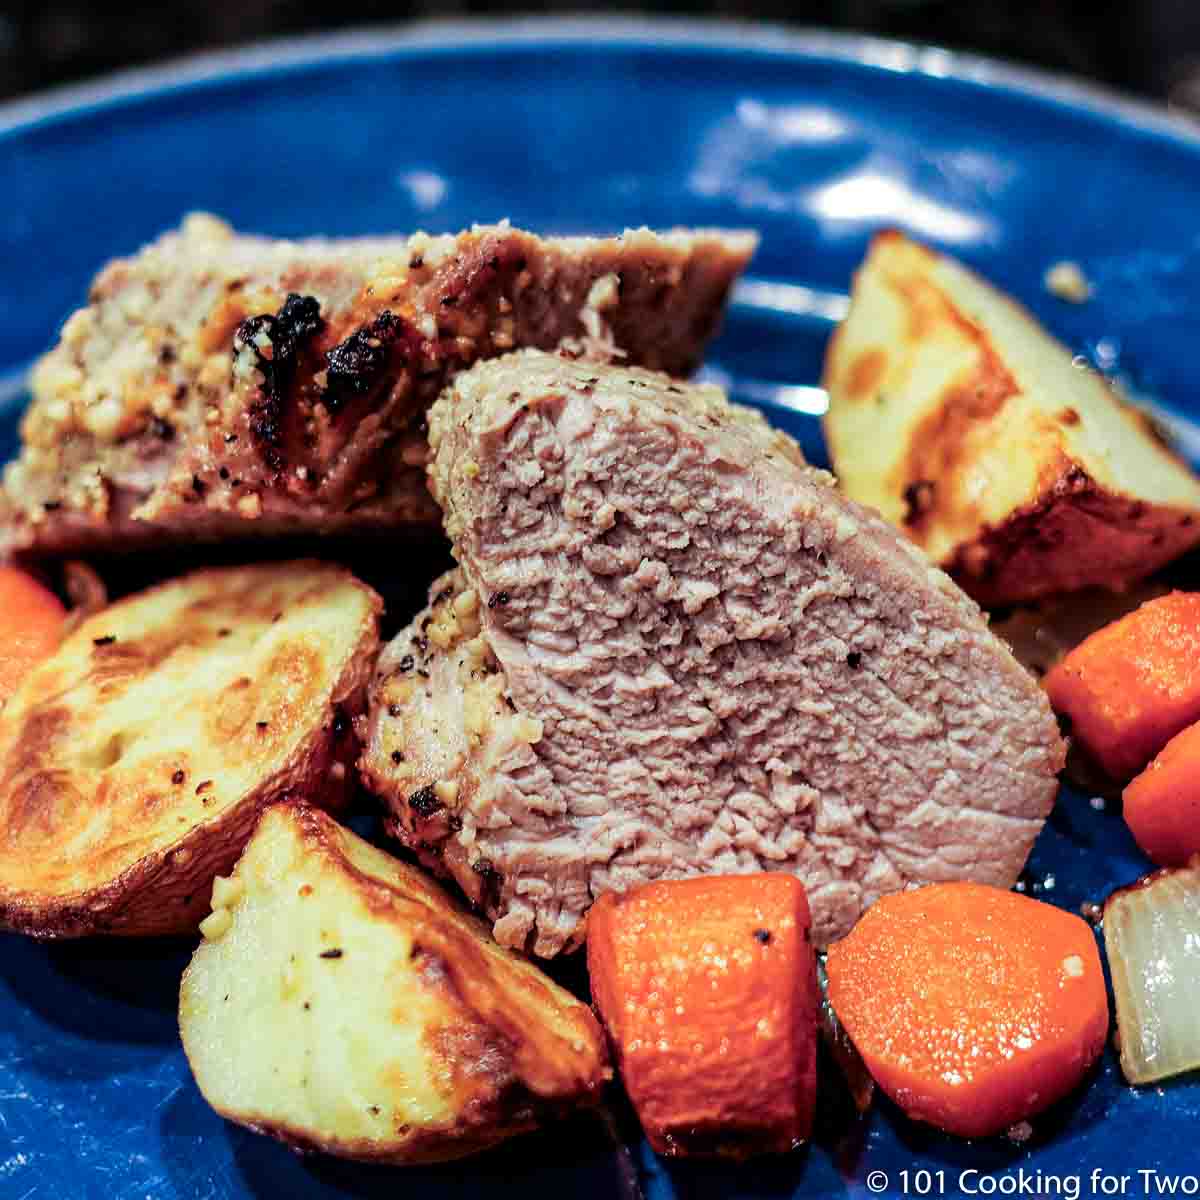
{"x": 670, "y": 647}
{"x": 220, "y": 385}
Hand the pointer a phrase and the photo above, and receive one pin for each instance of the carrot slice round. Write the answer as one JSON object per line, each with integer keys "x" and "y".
{"x": 973, "y": 1007}
{"x": 1162, "y": 805}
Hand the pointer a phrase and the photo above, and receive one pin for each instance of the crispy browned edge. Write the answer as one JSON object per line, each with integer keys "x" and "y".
{"x": 1021, "y": 558}
{"x": 119, "y": 535}
{"x": 139, "y": 901}
{"x": 364, "y": 426}
{"x": 514, "y": 1108}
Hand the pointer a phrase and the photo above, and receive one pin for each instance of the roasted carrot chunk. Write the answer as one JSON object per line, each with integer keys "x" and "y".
{"x": 708, "y": 990}
{"x": 973, "y": 1008}
{"x": 1162, "y": 805}
{"x": 1132, "y": 686}
{"x": 31, "y": 619}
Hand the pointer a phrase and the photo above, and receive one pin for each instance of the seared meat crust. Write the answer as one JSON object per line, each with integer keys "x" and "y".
{"x": 219, "y": 385}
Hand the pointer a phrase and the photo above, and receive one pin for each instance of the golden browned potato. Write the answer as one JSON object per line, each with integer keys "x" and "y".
{"x": 341, "y": 1002}
{"x": 960, "y": 419}
{"x": 135, "y": 760}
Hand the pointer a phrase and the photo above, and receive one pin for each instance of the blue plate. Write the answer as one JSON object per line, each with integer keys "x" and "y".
{"x": 815, "y": 141}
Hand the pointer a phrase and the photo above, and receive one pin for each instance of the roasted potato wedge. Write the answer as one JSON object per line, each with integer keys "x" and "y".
{"x": 958, "y": 417}
{"x": 341, "y": 1002}
{"x": 135, "y": 760}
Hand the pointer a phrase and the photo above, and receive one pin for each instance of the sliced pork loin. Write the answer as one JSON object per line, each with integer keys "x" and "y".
{"x": 221, "y": 385}
{"x": 671, "y": 647}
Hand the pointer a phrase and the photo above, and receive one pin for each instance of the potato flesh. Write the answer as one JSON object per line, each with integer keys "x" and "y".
{"x": 305, "y": 1041}
{"x": 956, "y": 415}
{"x": 381, "y": 1051}
{"x": 161, "y": 715}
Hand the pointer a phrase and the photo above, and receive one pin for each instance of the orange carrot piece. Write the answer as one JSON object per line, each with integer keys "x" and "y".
{"x": 1132, "y": 686}
{"x": 30, "y": 626}
{"x": 973, "y": 1007}
{"x": 1162, "y": 805}
{"x": 708, "y": 989}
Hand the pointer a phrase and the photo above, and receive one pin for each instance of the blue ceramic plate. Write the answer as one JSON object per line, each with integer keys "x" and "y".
{"x": 815, "y": 141}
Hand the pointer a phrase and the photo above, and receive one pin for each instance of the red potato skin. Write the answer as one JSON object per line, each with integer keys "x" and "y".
{"x": 166, "y": 890}
{"x": 1133, "y": 685}
{"x": 708, "y": 990}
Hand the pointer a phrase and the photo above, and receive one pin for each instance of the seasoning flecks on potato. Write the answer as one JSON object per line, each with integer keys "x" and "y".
{"x": 136, "y": 758}
{"x": 1016, "y": 468}
{"x": 341, "y": 1002}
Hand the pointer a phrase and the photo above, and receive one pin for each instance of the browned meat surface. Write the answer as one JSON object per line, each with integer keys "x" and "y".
{"x": 670, "y": 647}
{"x": 221, "y": 385}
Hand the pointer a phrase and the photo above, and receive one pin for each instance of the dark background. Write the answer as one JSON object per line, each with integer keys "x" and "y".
{"x": 1149, "y": 47}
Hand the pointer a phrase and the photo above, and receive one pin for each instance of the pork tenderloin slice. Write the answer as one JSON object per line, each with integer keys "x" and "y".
{"x": 670, "y": 648}
{"x": 220, "y": 385}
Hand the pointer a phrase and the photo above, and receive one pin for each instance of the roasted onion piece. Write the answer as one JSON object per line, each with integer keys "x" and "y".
{"x": 1152, "y": 935}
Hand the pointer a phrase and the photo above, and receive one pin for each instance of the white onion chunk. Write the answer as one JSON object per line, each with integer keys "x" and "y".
{"x": 1152, "y": 935}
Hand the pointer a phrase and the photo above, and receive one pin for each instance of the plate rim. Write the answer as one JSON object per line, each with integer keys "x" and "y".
{"x": 266, "y": 58}
{"x": 925, "y": 60}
